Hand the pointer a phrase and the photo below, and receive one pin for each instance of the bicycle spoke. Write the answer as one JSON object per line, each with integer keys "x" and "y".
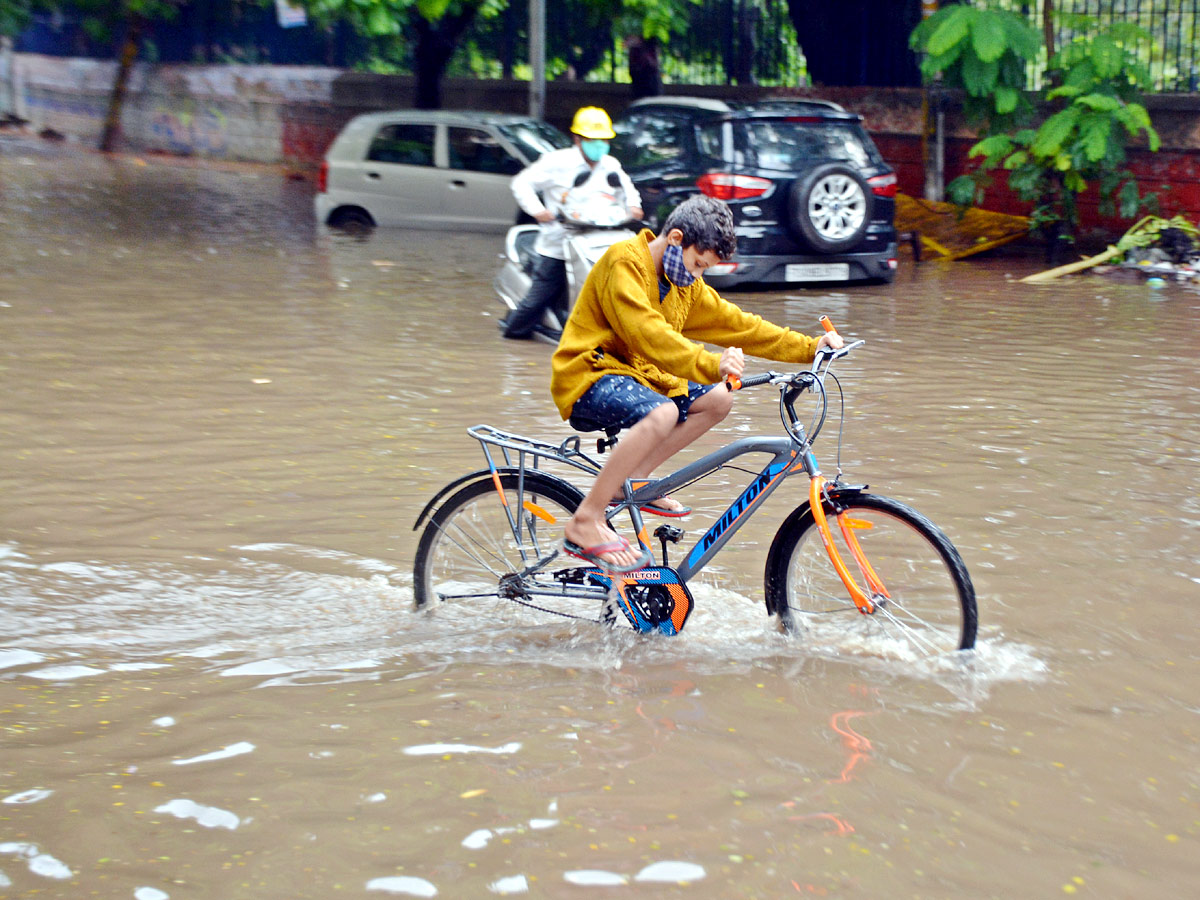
{"x": 931, "y": 603}
{"x": 469, "y": 552}
{"x": 472, "y": 550}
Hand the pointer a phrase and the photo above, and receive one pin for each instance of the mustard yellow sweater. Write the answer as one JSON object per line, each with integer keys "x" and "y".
{"x": 619, "y": 327}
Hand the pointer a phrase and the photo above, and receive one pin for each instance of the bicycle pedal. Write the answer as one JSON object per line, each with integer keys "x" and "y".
{"x": 672, "y": 533}
{"x": 573, "y": 576}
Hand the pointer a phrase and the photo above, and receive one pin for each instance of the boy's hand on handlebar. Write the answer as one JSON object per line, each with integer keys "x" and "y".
{"x": 733, "y": 362}
{"x": 832, "y": 340}
{"x": 636, "y": 213}
{"x": 545, "y": 216}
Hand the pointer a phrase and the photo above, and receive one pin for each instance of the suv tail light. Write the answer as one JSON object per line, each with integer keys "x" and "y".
{"x": 726, "y": 186}
{"x": 883, "y": 185}
{"x": 323, "y": 177}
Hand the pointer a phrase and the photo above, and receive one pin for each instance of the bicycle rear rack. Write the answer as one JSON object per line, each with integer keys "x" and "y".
{"x": 524, "y": 450}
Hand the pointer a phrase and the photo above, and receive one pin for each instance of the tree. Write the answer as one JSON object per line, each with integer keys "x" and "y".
{"x": 432, "y": 28}
{"x": 428, "y": 32}
{"x": 103, "y": 20}
{"x": 15, "y": 15}
{"x": 1087, "y": 115}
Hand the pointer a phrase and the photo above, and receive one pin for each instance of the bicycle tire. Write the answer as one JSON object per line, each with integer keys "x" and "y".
{"x": 932, "y": 600}
{"x": 469, "y": 542}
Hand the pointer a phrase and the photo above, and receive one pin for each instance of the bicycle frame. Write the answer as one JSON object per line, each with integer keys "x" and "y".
{"x": 789, "y": 456}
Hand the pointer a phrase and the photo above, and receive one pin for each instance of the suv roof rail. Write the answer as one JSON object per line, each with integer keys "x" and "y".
{"x": 800, "y": 101}
{"x": 692, "y": 102}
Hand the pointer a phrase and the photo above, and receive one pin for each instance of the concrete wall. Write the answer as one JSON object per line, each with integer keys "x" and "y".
{"x": 290, "y": 114}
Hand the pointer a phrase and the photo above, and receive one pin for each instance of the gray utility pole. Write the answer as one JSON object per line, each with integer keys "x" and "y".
{"x": 537, "y": 58}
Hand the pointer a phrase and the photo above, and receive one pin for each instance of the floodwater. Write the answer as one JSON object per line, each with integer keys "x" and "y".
{"x": 219, "y": 424}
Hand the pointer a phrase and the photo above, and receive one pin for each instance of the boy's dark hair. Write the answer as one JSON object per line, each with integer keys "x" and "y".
{"x": 706, "y": 223}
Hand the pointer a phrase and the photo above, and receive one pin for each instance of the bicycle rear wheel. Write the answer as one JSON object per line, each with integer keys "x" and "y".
{"x": 930, "y": 608}
{"x": 470, "y": 552}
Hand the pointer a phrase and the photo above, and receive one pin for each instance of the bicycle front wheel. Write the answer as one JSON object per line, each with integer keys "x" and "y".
{"x": 476, "y": 545}
{"x": 929, "y": 605}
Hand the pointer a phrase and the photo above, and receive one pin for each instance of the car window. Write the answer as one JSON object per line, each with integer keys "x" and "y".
{"x": 405, "y": 143}
{"x": 533, "y": 138}
{"x": 645, "y": 139}
{"x": 788, "y": 144}
{"x": 474, "y": 150}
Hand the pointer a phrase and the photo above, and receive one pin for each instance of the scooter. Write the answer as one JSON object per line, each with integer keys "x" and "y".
{"x": 593, "y": 221}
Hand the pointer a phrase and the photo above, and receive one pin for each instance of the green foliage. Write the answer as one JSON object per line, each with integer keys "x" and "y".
{"x": 1092, "y": 111}
{"x": 15, "y": 15}
{"x": 983, "y": 52}
{"x": 101, "y": 20}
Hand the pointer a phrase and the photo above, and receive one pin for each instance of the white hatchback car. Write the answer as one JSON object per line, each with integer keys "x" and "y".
{"x": 429, "y": 168}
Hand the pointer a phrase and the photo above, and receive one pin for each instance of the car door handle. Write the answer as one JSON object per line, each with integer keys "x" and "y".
{"x": 374, "y": 175}
{"x": 458, "y": 182}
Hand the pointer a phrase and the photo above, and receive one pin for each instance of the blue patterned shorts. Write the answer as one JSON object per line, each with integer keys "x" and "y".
{"x": 618, "y": 401}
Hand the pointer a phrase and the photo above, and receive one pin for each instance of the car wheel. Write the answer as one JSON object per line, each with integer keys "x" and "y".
{"x": 829, "y": 208}
{"x": 351, "y": 219}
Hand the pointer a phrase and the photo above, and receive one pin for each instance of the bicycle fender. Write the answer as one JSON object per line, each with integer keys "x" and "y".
{"x": 478, "y": 476}
{"x": 793, "y": 520}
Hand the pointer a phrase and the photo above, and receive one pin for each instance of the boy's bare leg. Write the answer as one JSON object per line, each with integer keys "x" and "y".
{"x": 709, "y": 409}
{"x": 648, "y": 444}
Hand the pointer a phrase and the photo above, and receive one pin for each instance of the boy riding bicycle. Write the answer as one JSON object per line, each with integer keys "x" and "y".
{"x": 628, "y": 359}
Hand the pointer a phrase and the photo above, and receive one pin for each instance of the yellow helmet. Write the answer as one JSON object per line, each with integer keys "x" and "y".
{"x": 593, "y": 123}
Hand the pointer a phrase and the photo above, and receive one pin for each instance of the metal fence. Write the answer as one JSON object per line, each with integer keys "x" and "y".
{"x": 1171, "y": 52}
{"x": 725, "y": 41}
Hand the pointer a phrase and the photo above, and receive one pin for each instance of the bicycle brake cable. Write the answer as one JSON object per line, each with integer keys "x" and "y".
{"x": 841, "y": 421}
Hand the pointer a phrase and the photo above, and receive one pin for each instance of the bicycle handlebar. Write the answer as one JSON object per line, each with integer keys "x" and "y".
{"x": 823, "y": 355}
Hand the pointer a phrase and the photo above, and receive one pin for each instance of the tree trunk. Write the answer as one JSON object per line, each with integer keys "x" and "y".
{"x": 436, "y": 43}
{"x": 116, "y": 102}
{"x": 858, "y": 42}
{"x": 747, "y": 20}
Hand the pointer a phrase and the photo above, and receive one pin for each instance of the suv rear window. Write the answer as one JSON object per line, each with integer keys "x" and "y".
{"x": 533, "y": 138}
{"x": 788, "y": 144}
{"x": 647, "y": 138}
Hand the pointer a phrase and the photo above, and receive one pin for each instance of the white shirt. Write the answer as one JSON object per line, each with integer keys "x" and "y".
{"x": 545, "y": 183}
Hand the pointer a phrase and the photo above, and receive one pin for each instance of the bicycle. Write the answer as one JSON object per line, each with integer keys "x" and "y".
{"x": 498, "y": 535}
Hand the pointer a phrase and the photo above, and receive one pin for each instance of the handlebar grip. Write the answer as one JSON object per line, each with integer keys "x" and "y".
{"x": 827, "y": 325}
{"x": 736, "y": 384}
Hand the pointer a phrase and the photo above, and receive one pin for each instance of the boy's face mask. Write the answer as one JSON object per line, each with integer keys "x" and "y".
{"x": 674, "y": 268}
{"x": 594, "y": 150}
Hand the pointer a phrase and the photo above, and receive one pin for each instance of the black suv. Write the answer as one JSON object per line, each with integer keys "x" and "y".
{"x": 812, "y": 198}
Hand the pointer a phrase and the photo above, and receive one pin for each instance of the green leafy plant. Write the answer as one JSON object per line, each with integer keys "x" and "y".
{"x": 1090, "y": 112}
{"x": 984, "y": 52}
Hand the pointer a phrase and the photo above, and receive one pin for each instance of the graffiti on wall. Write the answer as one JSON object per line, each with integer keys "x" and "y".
{"x": 193, "y": 130}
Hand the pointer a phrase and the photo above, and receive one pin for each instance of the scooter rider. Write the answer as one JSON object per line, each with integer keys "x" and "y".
{"x": 586, "y": 165}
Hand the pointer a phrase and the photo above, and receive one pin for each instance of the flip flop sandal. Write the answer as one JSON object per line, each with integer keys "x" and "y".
{"x": 592, "y": 555}
{"x": 662, "y": 511}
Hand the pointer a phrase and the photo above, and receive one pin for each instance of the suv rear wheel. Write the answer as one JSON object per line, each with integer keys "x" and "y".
{"x": 830, "y": 207}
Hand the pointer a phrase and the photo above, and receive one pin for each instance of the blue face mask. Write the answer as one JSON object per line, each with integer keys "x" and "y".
{"x": 674, "y": 268}
{"x": 594, "y": 150}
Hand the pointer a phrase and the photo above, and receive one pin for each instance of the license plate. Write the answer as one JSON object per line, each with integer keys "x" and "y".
{"x": 817, "y": 272}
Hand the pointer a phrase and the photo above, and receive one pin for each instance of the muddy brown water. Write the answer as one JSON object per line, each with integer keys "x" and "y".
{"x": 219, "y": 423}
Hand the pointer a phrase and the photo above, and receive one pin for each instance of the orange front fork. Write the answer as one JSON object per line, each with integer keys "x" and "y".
{"x": 861, "y": 600}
